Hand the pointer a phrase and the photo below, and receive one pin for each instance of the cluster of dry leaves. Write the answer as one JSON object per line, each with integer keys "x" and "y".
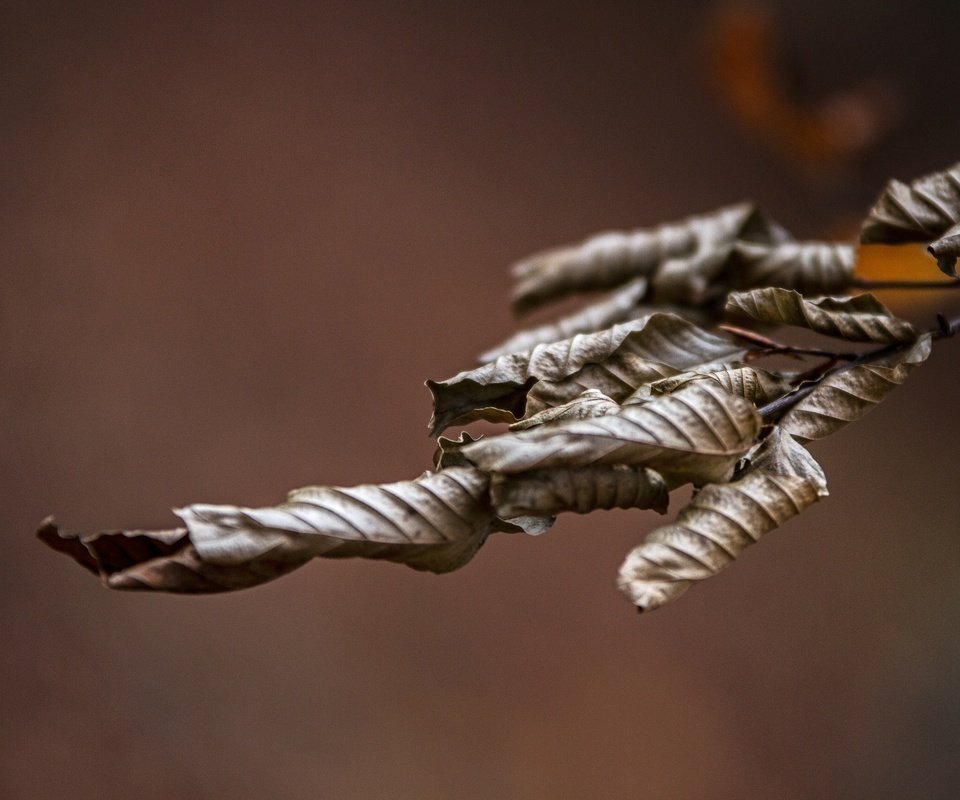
{"x": 613, "y": 406}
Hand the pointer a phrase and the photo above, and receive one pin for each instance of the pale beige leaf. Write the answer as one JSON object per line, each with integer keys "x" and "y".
{"x": 720, "y": 521}
{"x": 591, "y": 403}
{"x": 862, "y": 318}
{"x": 610, "y": 259}
{"x": 696, "y": 434}
{"x": 691, "y": 280}
{"x": 548, "y": 492}
{"x": 448, "y": 452}
{"x": 671, "y": 346}
{"x": 946, "y": 250}
{"x": 756, "y": 385}
{"x": 435, "y": 522}
{"x": 848, "y": 394}
{"x": 614, "y": 361}
{"x": 621, "y": 306}
{"x": 919, "y": 212}
{"x": 808, "y": 267}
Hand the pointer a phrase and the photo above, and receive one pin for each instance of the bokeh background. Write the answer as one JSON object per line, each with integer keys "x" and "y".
{"x": 236, "y": 239}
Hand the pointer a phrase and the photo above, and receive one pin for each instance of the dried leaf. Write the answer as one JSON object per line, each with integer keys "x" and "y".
{"x": 756, "y": 385}
{"x": 808, "y": 267}
{"x": 614, "y": 361}
{"x": 847, "y": 395}
{"x": 696, "y": 434}
{"x": 946, "y": 249}
{"x": 448, "y": 450}
{"x": 549, "y": 492}
{"x": 920, "y": 212}
{"x": 610, "y": 259}
{"x": 671, "y": 346}
{"x": 862, "y": 318}
{"x": 621, "y": 306}
{"x": 720, "y": 521}
{"x": 590, "y": 403}
{"x": 436, "y": 523}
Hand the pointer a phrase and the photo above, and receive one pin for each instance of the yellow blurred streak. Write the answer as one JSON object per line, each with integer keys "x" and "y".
{"x": 903, "y": 262}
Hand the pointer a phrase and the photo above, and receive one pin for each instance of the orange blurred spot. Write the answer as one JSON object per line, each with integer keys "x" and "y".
{"x": 743, "y": 61}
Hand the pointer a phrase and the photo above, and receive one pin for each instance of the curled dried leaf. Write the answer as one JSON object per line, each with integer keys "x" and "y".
{"x": 946, "y": 249}
{"x": 548, "y": 492}
{"x": 621, "y": 306}
{"x": 862, "y": 318}
{"x": 696, "y": 434}
{"x": 756, "y": 385}
{"x": 610, "y": 259}
{"x": 720, "y": 521}
{"x": 614, "y": 361}
{"x": 591, "y": 403}
{"x": 847, "y": 394}
{"x": 808, "y": 267}
{"x": 435, "y": 522}
{"x": 448, "y": 450}
{"x": 671, "y": 345}
{"x": 919, "y": 212}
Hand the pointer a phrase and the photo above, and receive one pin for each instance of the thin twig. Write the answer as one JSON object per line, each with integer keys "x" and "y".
{"x": 772, "y": 411}
{"x": 773, "y": 347}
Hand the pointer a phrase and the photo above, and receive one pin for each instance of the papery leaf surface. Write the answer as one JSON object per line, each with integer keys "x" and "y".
{"x": 610, "y": 259}
{"x": 848, "y": 394}
{"x": 759, "y": 386}
{"x": 614, "y": 361}
{"x": 435, "y": 522}
{"x": 920, "y": 211}
{"x": 861, "y": 318}
{"x": 946, "y": 249}
{"x": 720, "y": 521}
{"x": 696, "y": 434}
{"x": 620, "y": 306}
{"x": 548, "y": 492}
{"x": 808, "y": 267}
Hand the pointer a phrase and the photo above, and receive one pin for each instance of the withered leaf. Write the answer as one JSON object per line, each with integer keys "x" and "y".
{"x": 919, "y": 212}
{"x": 621, "y": 306}
{"x": 808, "y": 267}
{"x": 615, "y": 361}
{"x": 548, "y": 492}
{"x": 848, "y": 394}
{"x": 435, "y": 522}
{"x": 862, "y": 318}
{"x": 610, "y": 259}
{"x": 759, "y": 386}
{"x": 695, "y": 434}
{"x": 946, "y": 249}
{"x": 671, "y": 346}
{"x": 591, "y": 403}
{"x": 720, "y": 521}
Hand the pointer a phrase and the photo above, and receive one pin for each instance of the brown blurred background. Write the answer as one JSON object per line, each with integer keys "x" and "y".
{"x": 237, "y": 238}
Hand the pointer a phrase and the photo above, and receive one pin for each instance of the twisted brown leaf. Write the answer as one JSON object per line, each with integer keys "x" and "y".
{"x": 621, "y": 306}
{"x": 610, "y": 259}
{"x": 919, "y": 212}
{"x": 857, "y": 319}
{"x": 756, "y": 385}
{"x": 808, "y": 267}
{"x": 614, "y": 361}
{"x": 720, "y": 521}
{"x": 435, "y": 522}
{"x": 848, "y": 394}
{"x": 549, "y": 492}
{"x": 591, "y": 403}
{"x": 946, "y": 250}
{"x": 695, "y": 434}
